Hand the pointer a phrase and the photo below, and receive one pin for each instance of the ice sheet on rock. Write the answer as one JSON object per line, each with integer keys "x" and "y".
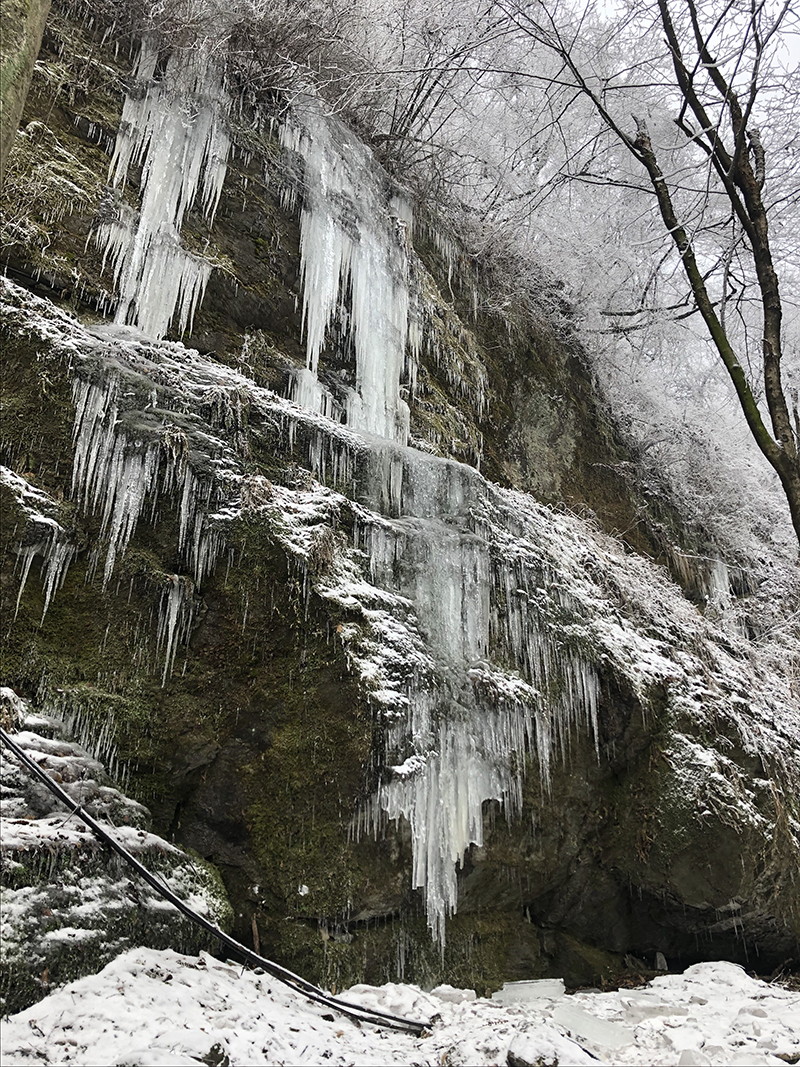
{"x": 349, "y": 242}
{"x": 173, "y": 125}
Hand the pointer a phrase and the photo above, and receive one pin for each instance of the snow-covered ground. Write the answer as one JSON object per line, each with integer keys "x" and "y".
{"x": 161, "y": 1009}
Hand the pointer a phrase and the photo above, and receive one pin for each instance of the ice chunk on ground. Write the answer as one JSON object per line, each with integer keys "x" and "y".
{"x": 451, "y": 995}
{"x": 587, "y": 1026}
{"x": 544, "y": 1047}
{"x": 523, "y": 992}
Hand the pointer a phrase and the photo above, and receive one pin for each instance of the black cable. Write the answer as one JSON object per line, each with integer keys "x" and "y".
{"x": 307, "y": 989}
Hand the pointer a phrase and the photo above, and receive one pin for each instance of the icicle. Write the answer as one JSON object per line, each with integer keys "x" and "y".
{"x": 109, "y": 469}
{"x": 57, "y": 561}
{"x": 497, "y": 679}
{"x": 174, "y": 128}
{"x": 347, "y": 240}
{"x": 42, "y": 536}
{"x": 27, "y": 555}
{"x": 116, "y": 473}
{"x": 175, "y": 620}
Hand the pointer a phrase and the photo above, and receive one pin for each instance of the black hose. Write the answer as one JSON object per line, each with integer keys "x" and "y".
{"x": 307, "y": 989}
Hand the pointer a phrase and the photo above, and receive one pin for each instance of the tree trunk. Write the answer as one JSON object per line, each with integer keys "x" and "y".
{"x": 781, "y": 454}
{"x": 21, "y": 28}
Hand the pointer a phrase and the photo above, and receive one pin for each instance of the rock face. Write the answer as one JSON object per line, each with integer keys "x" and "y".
{"x": 68, "y": 906}
{"x": 387, "y": 695}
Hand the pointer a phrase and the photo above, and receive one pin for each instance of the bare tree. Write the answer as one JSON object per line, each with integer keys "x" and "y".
{"x": 716, "y": 74}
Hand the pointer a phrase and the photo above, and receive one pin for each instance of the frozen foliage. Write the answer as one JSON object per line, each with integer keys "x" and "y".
{"x": 352, "y": 245}
{"x": 173, "y": 126}
{"x": 162, "y": 1008}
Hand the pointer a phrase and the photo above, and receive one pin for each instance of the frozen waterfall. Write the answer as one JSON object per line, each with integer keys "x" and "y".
{"x": 499, "y": 678}
{"x": 461, "y": 640}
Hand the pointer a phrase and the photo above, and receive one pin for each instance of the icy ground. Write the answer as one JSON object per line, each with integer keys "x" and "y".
{"x": 161, "y": 1009}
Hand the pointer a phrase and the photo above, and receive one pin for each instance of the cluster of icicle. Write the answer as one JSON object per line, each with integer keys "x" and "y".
{"x": 467, "y": 720}
{"x": 173, "y": 125}
{"x": 353, "y": 244}
{"x": 467, "y": 652}
{"x": 118, "y": 474}
{"x": 498, "y": 678}
{"x": 474, "y": 674}
{"x": 44, "y": 537}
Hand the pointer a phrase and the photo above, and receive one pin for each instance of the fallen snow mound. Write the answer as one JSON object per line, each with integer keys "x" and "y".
{"x": 160, "y": 1009}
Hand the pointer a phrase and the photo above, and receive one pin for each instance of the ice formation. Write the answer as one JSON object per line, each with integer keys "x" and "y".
{"x": 174, "y": 126}
{"x": 498, "y": 678}
{"x": 119, "y": 468}
{"x": 470, "y": 653}
{"x": 176, "y": 613}
{"x": 477, "y": 624}
{"x": 465, "y": 651}
{"x": 477, "y": 619}
{"x": 43, "y": 536}
{"x": 352, "y": 244}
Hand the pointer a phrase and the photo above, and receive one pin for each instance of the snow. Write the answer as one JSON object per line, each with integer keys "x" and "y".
{"x": 160, "y": 1007}
{"x": 62, "y": 889}
{"x": 43, "y": 537}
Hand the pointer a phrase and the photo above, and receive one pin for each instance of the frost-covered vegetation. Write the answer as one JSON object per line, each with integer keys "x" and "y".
{"x": 510, "y": 128}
